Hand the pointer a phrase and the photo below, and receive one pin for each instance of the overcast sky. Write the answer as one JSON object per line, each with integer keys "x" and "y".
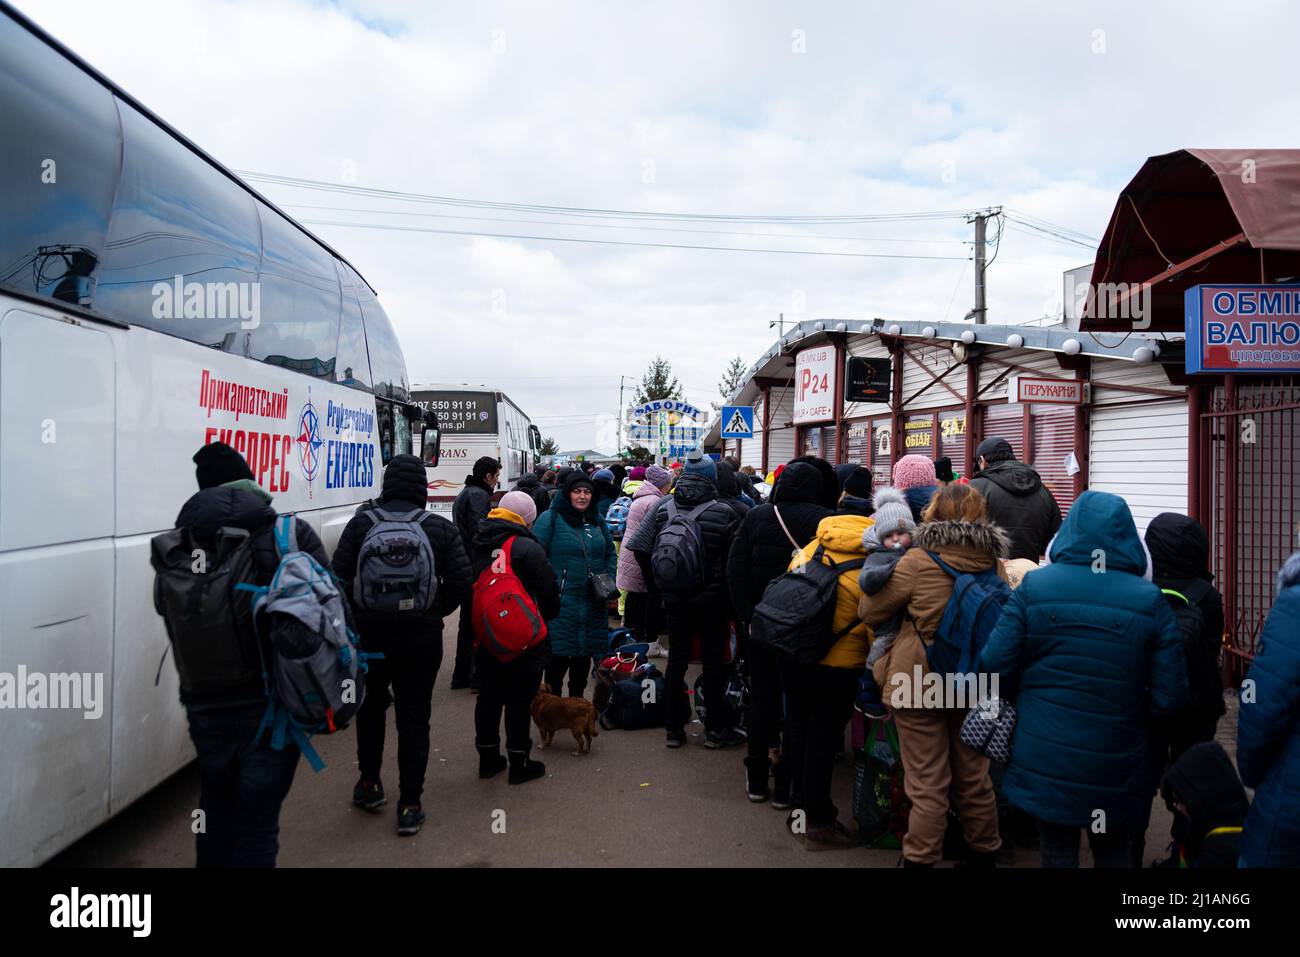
{"x": 737, "y": 109}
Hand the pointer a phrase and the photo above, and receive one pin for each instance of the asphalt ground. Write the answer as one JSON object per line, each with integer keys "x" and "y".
{"x": 631, "y": 803}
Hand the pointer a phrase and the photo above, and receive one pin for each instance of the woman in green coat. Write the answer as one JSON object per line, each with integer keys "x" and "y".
{"x": 578, "y": 545}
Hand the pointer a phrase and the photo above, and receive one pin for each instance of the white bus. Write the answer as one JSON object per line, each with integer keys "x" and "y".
{"x": 476, "y": 421}
{"x": 113, "y": 223}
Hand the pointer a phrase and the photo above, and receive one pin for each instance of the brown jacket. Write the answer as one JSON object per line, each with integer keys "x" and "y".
{"x": 923, "y": 589}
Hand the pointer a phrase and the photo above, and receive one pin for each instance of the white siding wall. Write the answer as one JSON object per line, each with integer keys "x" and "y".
{"x": 1148, "y": 376}
{"x": 781, "y": 443}
{"x": 1043, "y": 363}
{"x": 1139, "y": 452}
{"x": 936, "y": 359}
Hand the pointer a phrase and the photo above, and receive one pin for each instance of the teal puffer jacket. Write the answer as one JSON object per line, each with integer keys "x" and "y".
{"x": 1088, "y": 656}
{"x": 582, "y": 627}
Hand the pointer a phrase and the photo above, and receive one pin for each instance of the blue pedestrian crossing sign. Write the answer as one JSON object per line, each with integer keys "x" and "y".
{"x": 737, "y": 422}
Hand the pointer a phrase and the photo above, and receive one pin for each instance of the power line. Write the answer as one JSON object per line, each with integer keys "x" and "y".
{"x": 663, "y": 229}
{"x": 300, "y": 183}
{"x": 623, "y": 242}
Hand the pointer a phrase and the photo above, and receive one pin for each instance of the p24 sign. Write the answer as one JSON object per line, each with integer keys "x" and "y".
{"x": 816, "y": 385}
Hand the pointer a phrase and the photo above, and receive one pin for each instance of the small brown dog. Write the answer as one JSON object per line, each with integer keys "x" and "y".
{"x": 551, "y": 713}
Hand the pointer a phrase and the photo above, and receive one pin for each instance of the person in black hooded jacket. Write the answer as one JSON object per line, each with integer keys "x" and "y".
{"x": 729, "y": 490}
{"x": 411, "y": 643}
{"x": 761, "y": 552}
{"x": 471, "y": 507}
{"x": 1209, "y": 805}
{"x": 1018, "y": 501}
{"x": 232, "y": 758}
{"x": 830, "y": 494}
{"x": 707, "y": 612}
{"x": 510, "y": 686}
{"x": 532, "y": 486}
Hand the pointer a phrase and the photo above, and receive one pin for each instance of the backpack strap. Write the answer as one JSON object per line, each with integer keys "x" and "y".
{"x": 952, "y": 572}
{"x": 286, "y": 534}
{"x": 777, "y": 512}
{"x": 1178, "y": 594}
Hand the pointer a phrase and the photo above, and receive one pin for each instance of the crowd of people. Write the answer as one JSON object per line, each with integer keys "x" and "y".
{"x": 1106, "y": 643}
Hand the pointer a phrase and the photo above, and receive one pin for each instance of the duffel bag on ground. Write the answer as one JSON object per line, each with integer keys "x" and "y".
{"x": 636, "y": 702}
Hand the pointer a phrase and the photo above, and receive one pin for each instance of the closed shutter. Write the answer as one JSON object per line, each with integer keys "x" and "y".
{"x": 829, "y": 444}
{"x": 857, "y": 442}
{"x": 882, "y": 453}
{"x": 1139, "y": 452}
{"x": 952, "y": 439}
{"x": 1053, "y": 441}
{"x": 1005, "y": 422}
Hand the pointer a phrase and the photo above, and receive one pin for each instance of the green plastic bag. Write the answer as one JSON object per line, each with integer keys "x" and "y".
{"x": 880, "y": 806}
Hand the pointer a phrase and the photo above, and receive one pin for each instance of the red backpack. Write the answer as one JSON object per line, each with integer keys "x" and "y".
{"x": 505, "y": 617}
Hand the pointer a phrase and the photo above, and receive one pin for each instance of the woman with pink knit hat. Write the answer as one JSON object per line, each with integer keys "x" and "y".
{"x": 641, "y": 610}
{"x": 914, "y": 477}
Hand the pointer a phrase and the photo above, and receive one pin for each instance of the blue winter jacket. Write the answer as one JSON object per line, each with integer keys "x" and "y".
{"x": 1268, "y": 733}
{"x": 1088, "y": 656}
{"x": 582, "y": 627}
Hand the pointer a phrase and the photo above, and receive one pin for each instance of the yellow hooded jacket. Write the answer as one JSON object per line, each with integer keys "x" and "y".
{"x": 841, "y": 536}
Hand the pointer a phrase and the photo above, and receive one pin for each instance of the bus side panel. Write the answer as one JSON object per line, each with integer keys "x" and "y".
{"x": 310, "y": 443}
{"x": 56, "y": 606}
{"x": 151, "y": 738}
{"x": 56, "y": 582}
{"x": 459, "y": 453}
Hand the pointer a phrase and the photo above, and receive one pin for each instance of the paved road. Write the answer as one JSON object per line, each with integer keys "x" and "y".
{"x": 631, "y": 802}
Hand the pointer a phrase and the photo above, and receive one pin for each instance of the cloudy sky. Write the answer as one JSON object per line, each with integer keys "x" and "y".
{"x": 762, "y": 112}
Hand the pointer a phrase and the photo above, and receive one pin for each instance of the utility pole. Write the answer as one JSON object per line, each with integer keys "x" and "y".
{"x": 779, "y": 322}
{"x": 619, "y": 420}
{"x": 981, "y": 219}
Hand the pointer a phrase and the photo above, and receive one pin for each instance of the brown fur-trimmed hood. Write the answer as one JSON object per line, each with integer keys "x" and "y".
{"x": 981, "y": 537}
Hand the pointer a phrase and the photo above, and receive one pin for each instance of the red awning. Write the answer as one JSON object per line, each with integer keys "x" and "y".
{"x": 1199, "y": 216}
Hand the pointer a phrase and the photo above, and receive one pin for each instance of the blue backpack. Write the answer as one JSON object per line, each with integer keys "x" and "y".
{"x": 968, "y": 621}
{"x": 315, "y": 676}
{"x": 616, "y": 516}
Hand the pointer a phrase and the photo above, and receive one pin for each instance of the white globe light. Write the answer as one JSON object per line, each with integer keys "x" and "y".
{"x": 1143, "y": 354}
{"x": 819, "y": 326}
{"x": 968, "y": 337}
{"x": 1071, "y": 347}
{"x": 841, "y": 327}
{"x": 929, "y": 332}
{"x": 864, "y": 328}
{"x": 1015, "y": 340}
{"x": 895, "y": 329}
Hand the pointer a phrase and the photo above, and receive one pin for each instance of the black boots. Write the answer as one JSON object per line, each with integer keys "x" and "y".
{"x": 523, "y": 768}
{"x": 490, "y": 759}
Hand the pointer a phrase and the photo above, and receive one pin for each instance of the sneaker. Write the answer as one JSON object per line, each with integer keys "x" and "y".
{"x": 676, "y": 739}
{"x": 409, "y": 819}
{"x": 369, "y": 795}
{"x": 723, "y": 739}
{"x": 755, "y": 796}
{"x": 836, "y": 836}
{"x": 656, "y": 650}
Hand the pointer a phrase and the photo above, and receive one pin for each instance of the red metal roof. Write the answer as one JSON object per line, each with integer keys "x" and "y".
{"x": 1200, "y": 216}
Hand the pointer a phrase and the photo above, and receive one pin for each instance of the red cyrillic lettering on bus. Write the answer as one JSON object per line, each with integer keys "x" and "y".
{"x": 209, "y": 435}
{"x": 275, "y": 462}
{"x": 264, "y": 456}
{"x": 239, "y": 444}
{"x": 223, "y": 435}
{"x": 286, "y": 443}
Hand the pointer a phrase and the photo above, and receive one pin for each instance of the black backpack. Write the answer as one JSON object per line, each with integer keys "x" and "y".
{"x": 1204, "y": 678}
{"x": 677, "y": 559}
{"x": 209, "y": 620}
{"x": 797, "y": 612}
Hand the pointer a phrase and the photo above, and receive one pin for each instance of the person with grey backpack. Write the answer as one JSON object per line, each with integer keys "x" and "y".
{"x": 403, "y": 569}
{"x": 683, "y": 546}
{"x": 210, "y": 571}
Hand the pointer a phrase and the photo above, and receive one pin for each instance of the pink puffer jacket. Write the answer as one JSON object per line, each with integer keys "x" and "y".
{"x": 644, "y": 500}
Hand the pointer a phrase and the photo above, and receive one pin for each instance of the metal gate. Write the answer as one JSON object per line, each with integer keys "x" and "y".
{"x": 1250, "y": 461}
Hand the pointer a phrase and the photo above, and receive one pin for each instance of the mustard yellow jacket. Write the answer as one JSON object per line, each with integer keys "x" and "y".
{"x": 841, "y": 536}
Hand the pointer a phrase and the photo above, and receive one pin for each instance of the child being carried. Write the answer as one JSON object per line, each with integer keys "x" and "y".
{"x": 886, "y": 542}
